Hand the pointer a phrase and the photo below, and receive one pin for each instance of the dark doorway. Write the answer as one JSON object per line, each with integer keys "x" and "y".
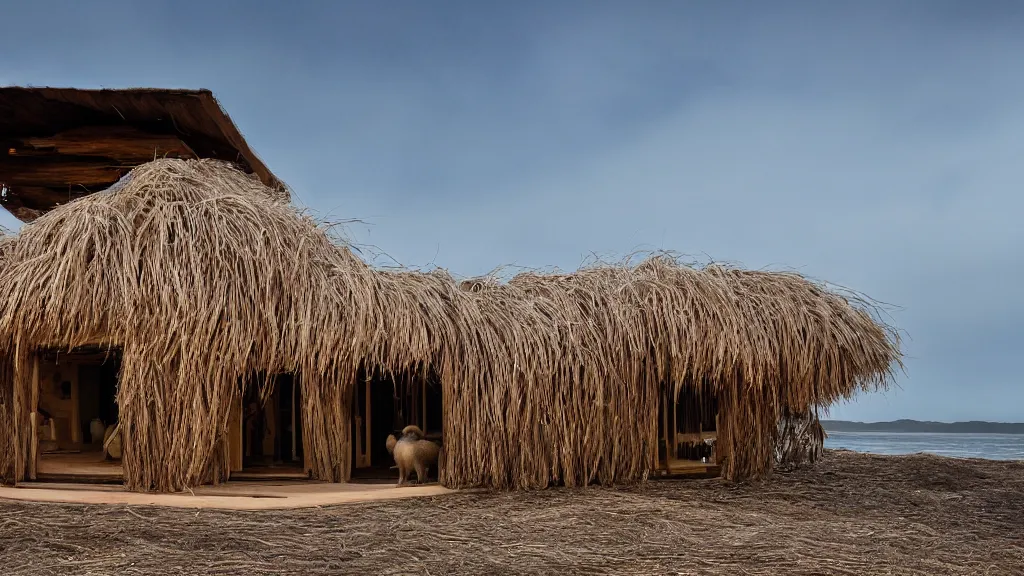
{"x": 97, "y": 396}
{"x": 272, "y": 430}
{"x": 390, "y": 403}
{"x": 78, "y": 400}
{"x": 372, "y": 421}
{"x": 289, "y": 436}
{"x": 382, "y": 407}
{"x": 688, "y": 429}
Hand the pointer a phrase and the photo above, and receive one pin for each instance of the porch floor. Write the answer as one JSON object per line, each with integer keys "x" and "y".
{"x": 80, "y": 466}
{"x": 228, "y": 496}
{"x": 84, "y": 477}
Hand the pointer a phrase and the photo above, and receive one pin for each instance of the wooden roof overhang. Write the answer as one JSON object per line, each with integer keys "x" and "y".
{"x": 59, "y": 144}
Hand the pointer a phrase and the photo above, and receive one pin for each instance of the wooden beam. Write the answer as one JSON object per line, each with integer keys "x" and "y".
{"x": 695, "y": 437}
{"x": 83, "y": 354}
{"x": 714, "y": 447}
{"x": 675, "y": 428}
{"x": 121, "y": 143}
{"x": 307, "y": 465}
{"x": 93, "y": 175}
{"x": 369, "y": 460}
{"x": 664, "y": 421}
{"x": 235, "y": 437}
{"x": 80, "y": 358}
{"x": 359, "y": 441}
{"x": 269, "y": 409}
{"x": 295, "y": 436}
{"x": 76, "y": 410}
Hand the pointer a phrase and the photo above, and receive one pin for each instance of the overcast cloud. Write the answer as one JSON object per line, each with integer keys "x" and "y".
{"x": 876, "y": 146}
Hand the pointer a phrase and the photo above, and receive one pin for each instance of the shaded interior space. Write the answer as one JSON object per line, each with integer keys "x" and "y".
{"x": 688, "y": 431}
{"x": 78, "y": 415}
{"x": 267, "y": 433}
{"x": 384, "y": 404}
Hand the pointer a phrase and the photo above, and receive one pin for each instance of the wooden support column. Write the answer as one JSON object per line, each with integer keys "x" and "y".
{"x": 76, "y": 410}
{"x": 367, "y": 430}
{"x": 307, "y": 465}
{"x": 270, "y": 416}
{"x": 33, "y": 463}
{"x": 360, "y": 415}
{"x": 675, "y": 428}
{"x": 295, "y": 436}
{"x": 714, "y": 447}
{"x": 360, "y": 457}
{"x": 664, "y": 422}
{"x": 423, "y": 400}
{"x": 235, "y": 437}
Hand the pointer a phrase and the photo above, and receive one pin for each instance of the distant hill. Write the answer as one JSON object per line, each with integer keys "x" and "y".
{"x": 973, "y": 427}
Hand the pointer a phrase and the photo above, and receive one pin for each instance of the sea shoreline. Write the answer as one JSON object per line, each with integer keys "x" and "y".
{"x": 952, "y": 445}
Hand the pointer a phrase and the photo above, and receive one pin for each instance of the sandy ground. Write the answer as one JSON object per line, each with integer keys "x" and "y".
{"x": 851, "y": 514}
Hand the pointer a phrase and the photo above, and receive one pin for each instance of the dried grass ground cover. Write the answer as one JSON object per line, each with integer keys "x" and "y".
{"x": 851, "y": 514}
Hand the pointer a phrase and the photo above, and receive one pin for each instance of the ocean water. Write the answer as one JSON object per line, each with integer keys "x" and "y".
{"x": 991, "y": 446}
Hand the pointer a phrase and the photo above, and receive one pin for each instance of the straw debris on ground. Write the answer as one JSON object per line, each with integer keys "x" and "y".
{"x": 851, "y": 514}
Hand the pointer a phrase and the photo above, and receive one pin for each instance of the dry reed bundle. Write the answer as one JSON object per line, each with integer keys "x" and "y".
{"x": 565, "y": 378}
{"x": 205, "y": 278}
{"x": 8, "y": 423}
{"x": 8, "y": 419}
{"x": 801, "y": 440}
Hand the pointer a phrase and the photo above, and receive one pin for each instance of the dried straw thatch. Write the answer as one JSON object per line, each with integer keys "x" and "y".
{"x": 8, "y": 455}
{"x": 204, "y": 281}
{"x": 801, "y": 440}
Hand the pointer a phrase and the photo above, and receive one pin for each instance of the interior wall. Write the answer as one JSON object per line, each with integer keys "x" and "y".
{"x": 89, "y": 400}
{"x": 288, "y": 383}
{"x": 58, "y": 396}
{"x": 266, "y": 426}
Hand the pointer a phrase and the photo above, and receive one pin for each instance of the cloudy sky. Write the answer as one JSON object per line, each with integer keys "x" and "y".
{"x": 872, "y": 145}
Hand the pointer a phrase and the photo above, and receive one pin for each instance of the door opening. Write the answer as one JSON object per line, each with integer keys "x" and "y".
{"x": 268, "y": 440}
{"x": 688, "y": 431}
{"x": 77, "y": 438}
{"x": 384, "y": 405}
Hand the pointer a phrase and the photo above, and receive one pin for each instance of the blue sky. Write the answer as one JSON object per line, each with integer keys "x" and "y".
{"x": 876, "y": 145}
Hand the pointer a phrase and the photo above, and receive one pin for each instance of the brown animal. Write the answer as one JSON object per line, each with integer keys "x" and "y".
{"x": 413, "y": 452}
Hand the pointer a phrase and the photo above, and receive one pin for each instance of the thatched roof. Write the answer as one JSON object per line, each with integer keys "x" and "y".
{"x": 59, "y": 144}
{"x": 203, "y": 277}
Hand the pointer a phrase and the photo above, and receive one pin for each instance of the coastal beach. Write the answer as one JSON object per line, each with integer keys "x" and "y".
{"x": 531, "y": 288}
{"x": 851, "y": 514}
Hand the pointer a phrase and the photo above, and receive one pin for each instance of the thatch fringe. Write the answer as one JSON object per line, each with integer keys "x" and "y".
{"x": 8, "y": 423}
{"x": 204, "y": 282}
